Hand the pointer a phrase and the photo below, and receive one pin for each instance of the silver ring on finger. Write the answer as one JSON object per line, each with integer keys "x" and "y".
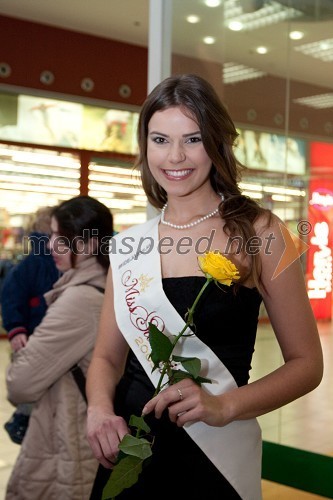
{"x": 180, "y": 394}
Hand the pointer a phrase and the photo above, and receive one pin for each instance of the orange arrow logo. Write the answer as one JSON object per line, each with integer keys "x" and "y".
{"x": 294, "y": 248}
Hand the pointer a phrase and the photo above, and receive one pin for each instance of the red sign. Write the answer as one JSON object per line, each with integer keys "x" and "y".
{"x": 320, "y": 216}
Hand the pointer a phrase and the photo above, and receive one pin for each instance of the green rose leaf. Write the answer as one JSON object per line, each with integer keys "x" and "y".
{"x": 192, "y": 365}
{"x": 137, "y": 447}
{"x": 124, "y": 475}
{"x": 178, "y": 375}
{"x": 202, "y": 380}
{"x": 139, "y": 423}
{"x": 161, "y": 347}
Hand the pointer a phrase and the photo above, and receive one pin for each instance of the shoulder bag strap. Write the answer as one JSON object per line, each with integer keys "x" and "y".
{"x": 76, "y": 371}
{"x": 80, "y": 380}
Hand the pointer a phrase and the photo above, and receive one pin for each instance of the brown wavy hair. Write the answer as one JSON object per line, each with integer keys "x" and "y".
{"x": 198, "y": 98}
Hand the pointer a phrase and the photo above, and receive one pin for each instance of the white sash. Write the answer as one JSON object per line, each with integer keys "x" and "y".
{"x": 139, "y": 299}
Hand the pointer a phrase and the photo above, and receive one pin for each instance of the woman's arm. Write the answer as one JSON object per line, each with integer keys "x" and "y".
{"x": 104, "y": 429}
{"x": 66, "y": 335}
{"x": 294, "y": 325}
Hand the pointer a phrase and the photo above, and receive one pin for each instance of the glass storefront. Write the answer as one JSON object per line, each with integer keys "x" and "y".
{"x": 34, "y": 176}
{"x": 119, "y": 188}
{"x": 269, "y": 62}
{"x": 31, "y": 178}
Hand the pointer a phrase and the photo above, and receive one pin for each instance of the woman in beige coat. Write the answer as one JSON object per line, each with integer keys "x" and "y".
{"x": 55, "y": 461}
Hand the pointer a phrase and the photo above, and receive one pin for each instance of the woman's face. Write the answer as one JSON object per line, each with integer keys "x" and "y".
{"x": 59, "y": 250}
{"x": 176, "y": 156}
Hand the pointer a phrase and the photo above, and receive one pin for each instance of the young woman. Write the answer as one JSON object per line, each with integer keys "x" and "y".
{"x": 55, "y": 460}
{"x": 205, "y": 436}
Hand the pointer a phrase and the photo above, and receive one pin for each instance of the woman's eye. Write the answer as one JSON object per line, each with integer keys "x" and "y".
{"x": 194, "y": 139}
{"x": 159, "y": 140}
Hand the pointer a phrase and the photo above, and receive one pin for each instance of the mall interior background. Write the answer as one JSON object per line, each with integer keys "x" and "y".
{"x": 73, "y": 76}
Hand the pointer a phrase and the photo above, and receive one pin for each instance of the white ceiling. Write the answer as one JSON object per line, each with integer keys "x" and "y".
{"x": 127, "y": 20}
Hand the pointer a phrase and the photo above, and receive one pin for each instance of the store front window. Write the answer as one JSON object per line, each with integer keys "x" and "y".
{"x": 31, "y": 178}
{"x": 269, "y": 61}
{"x": 38, "y": 175}
{"x": 118, "y": 186}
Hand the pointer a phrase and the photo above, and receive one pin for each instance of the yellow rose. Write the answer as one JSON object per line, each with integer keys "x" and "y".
{"x": 215, "y": 265}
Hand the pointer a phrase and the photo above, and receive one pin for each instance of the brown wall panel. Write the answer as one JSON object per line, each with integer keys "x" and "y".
{"x": 30, "y": 48}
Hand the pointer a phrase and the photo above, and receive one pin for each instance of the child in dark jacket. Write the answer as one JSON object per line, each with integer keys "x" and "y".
{"x": 23, "y": 305}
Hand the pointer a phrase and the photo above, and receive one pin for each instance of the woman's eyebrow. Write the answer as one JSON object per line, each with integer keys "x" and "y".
{"x": 158, "y": 133}
{"x": 165, "y": 135}
{"x": 192, "y": 133}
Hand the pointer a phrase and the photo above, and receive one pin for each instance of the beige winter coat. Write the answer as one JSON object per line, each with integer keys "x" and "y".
{"x": 55, "y": 461}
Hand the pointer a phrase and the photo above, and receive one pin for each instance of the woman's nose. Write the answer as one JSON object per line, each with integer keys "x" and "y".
{"x": 177, "y": 153}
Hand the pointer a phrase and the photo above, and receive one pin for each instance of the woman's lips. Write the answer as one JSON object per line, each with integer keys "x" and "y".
{"x": 178, "y": 175}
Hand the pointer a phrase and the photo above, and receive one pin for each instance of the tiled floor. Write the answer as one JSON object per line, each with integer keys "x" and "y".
{"x": 303, "y": 424}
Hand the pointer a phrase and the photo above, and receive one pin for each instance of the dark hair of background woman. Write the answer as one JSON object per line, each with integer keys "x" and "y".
{"x": 86, "y": 218}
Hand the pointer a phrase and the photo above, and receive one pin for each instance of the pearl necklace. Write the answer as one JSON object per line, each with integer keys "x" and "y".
{"x": 191, "y": 224}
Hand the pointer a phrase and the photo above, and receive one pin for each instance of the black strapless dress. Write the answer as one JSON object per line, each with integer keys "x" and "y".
{"x": 227, "y": 322}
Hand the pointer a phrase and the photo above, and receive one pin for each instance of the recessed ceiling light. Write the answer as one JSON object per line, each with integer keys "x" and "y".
{"x": 193, "y": 19}
{"x": 213, "y": 3}
{"x": 209, "y": 40}
{"x": 235, "y": 25}
{"x": 296, "y": 35}
{"x": 261, "y": 50}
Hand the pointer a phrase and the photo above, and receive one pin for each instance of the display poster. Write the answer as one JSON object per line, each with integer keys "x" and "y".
{"x": 320, "y": 219}
{"x": 109, "y": 130}
{"x": 52, "y": 122}
{"x": 273, "y": 152}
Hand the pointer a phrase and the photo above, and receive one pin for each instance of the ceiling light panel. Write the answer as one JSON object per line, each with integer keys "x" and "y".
{"x": 322, "y": 49}
{"x": 251, "y": 18}
{"x": 233, "y": 72}
{"x": 319, "y": 101}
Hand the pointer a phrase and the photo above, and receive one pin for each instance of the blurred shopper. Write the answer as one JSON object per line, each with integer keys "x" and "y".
{"x": 55, "y": 459}
{"x": 23, "y": 305}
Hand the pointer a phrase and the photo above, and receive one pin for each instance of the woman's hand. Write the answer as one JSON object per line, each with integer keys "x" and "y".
{"x": 105, "y": 430}
{"x": 20, "y": 340}
{"x": 188, "y": 402}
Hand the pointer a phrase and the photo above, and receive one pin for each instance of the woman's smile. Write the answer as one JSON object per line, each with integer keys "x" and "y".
{"x": 178, "y": 175}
